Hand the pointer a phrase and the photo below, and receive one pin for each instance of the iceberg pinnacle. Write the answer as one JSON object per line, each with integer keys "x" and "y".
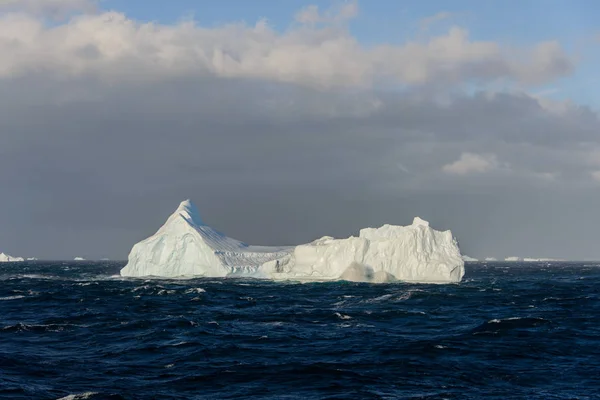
{"x": 419, "y": 221}
{"x": 188, "y": 210}
{"x": 184, "y": 246}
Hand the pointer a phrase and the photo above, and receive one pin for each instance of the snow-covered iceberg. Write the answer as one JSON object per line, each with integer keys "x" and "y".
{"x": 7, "y": 258}
{"x": 466, "y": 258}
{"x": 185, "y": 246}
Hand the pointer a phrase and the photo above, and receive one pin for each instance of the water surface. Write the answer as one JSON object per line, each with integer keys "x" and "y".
{"x": 527, "y": 331}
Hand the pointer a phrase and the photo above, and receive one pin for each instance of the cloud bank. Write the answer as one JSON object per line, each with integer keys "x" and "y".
{"x": 281, "y": 136}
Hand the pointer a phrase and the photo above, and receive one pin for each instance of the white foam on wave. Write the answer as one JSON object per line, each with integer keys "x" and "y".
{"x": 79, "y": 396}
{"x": 342, "y": 316}
{"x": 195, "y": 290}
{"x": 16, "y": 297}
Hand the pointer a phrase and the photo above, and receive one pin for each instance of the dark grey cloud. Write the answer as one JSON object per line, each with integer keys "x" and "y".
{"x": 88, "y": 168}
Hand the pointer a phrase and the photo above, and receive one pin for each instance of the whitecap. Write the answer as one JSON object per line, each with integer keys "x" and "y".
{"x": 195, "y": 290}
{"x": 12, "y": 297}
{"x": 342, "y": 316}
{"x": 80, "y": 396}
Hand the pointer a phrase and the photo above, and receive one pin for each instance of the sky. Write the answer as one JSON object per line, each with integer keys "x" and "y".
{"x": 287, "y": 121}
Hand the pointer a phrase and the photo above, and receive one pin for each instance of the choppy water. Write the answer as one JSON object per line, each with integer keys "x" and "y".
{"x": 76, "y": 330}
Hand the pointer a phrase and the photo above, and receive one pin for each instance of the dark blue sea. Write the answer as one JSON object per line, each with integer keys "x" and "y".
{"x": 508, "y": 331}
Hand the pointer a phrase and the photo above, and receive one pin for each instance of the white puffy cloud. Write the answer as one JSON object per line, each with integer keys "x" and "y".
{"x": 472, "y": 163}
{"x": 52, "y": 8}
{"x": 112, "y": 46}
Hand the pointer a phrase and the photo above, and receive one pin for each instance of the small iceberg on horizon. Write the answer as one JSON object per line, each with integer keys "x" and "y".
{"x": 6, "y": 258}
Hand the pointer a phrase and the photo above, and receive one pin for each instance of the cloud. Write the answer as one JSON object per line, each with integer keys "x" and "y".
{"x": 107, "y": 123}
{"x": 115, "y": 48}
{"x": 52, "y": 8}
{"x": 101, "y": 163}
{"x": 472, "y": 163}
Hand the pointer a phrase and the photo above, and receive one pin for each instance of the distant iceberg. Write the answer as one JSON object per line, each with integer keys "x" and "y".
{"x": 32, "y": 259}
{"x": 7, "y": 258}
{"x": 526, "y": 259}
{"x": 469, "y": 259}
{"x": 185, "y": 246}
{"x": 79, "y": 259}
{"x": 513, "y": 259}
{"x": 491, "y": 259}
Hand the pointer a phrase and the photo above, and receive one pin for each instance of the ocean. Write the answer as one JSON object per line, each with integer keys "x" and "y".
{"x": 76, "y": 330}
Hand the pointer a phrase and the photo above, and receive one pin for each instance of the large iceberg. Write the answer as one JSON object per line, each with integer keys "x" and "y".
{"x": 7, "y": 258}
{"x": 185, "y": 246}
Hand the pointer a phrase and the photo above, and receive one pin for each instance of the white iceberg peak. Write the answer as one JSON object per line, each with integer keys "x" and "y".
{"x": 188, "y": 210}
{"x": 184, "y": 246}
{"x": 419, "y": 221}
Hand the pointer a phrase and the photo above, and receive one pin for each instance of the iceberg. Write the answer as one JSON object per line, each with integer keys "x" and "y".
{"x": 79, "y": 259}
{"x": 7, "y": 258}
{"x": 469, "y": 259}
{"x": 184, "y": 246}
{"x": 513, "y": 259}
{"x": 528, "y": 259}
